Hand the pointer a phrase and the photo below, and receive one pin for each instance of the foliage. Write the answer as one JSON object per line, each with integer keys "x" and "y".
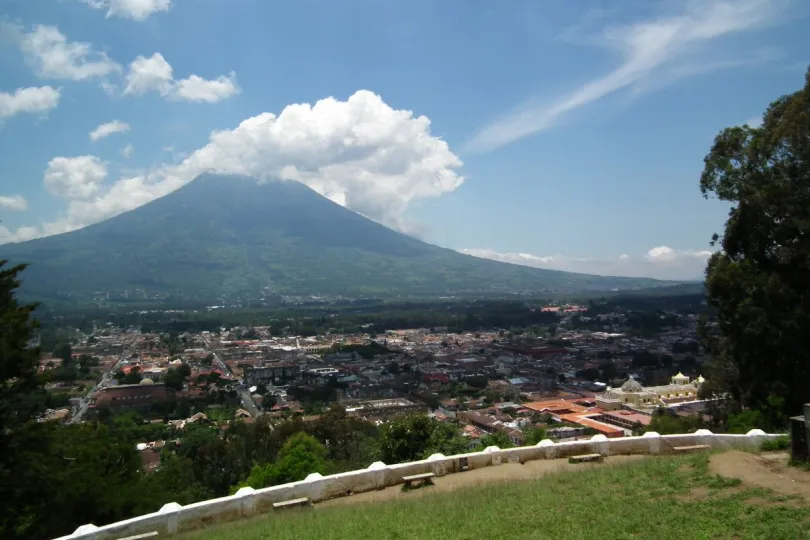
{"x": 18, "y": 363}
{"x": 666, "y": 422}
{"x": 759, "y": 283}
{"x": 499, "y": 439}
{"x": 300, "y": 456}
{"x": 774, "y": 445}
{"x": 351, "y": 443}
{"x": 417, "y": 436}
{"x": 63, "y": 351}
{"x": 55, "y": 478}
{"x": 745, "y": 421}
{"x": 175, "y": 377}
{"x": 533, "y": 435}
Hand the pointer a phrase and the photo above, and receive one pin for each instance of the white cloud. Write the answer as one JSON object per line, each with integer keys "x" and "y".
{"x": 665, "y": 254}
{"x": 13, "y": 202}
{"x": 105, "y": 130}
{"x": 138, "y": 10}
{"x": 155, "y": 74}
{"x": 196, "y": 88}
{"x": 660, "y": 262}
{"x": 148, "y": 75}
{"x": 52, "y": 56}
{"x": 359, "y": 152}
{"x": 29, "y": 100}
{"x": 666, "y": 48}
{"x": 76, "y": 177}
{"x": 127, "y": 151}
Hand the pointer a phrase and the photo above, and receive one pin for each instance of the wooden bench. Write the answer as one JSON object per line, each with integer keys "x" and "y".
{"x": 425, "y": 479}
{"x": 303, "y": 501}
{"x": 583, "y": 458}
{"x": 695, "y": 448}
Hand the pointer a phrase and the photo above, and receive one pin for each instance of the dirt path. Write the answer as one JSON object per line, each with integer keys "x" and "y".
{"x": 769, "y": 471}
{"x": 500, "y": 473}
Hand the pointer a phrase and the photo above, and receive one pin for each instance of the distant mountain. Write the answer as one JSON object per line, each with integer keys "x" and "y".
{"x": 223, "y": 236}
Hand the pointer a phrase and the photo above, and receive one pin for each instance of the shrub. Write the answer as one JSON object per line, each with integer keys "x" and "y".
{"x": 781, "y": 443}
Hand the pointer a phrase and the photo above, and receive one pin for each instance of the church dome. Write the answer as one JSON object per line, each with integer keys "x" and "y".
{"x": 632, "y": 385}
{"x": 147, "y": 381}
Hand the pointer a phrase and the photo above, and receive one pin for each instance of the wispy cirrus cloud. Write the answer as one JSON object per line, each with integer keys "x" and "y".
{"x": 105, "y": 130}
{"x": 660, "y": 262}
{"x": 657, "y": 50}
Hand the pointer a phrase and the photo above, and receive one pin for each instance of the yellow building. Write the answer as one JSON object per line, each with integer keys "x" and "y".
{"x": 632, "y": 394}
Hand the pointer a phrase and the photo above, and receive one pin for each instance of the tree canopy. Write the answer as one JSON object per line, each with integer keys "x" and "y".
{"x": 18, "y": 361}
{"x": 759, "y": 282}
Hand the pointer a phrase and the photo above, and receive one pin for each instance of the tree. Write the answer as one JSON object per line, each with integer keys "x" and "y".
{"x": 65, "y": 352}
{"x": 55, "y": 478}
{"x": 300, "y": 456}
{"x": 18, "y": 362}
{"x": 184, "y": 370}
{"x": 351, "y": 442}
{"x": 417, "y": 436}
{"x": 133, "y": 377}
{"x": 759, "y": 282}
{"x": 269, "y": 401}
{"x": 174, "y": 379}
{"x": 499, "y": 439}
{"x": 533, "y": 435}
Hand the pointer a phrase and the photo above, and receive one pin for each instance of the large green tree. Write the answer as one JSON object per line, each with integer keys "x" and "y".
{"x": 18, "y": 362}
{"x": 759, "y": 282}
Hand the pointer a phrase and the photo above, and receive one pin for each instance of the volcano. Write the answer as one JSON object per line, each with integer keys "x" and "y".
{"x": 228, "y": 236}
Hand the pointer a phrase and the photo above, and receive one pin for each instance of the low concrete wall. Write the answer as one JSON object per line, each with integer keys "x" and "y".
{"x": 174, "y": 518}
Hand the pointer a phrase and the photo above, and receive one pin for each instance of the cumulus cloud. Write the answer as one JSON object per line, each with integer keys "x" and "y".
{"x": 661, "y": 262}
{"x": 196, "y": 88}
{"x": 105, "y": 130}
{"x": 149, "y": 74}
{"x": 76, "y": 177}
{"x": 138, "y": 10}
{"x": 360, "y": 153}
{"x": 52, "y": 56}
{"x": 13, "y": 202}
{"x": 41, "y": 100}
{"x": 155, "y": 74}
{"x": 127, "y": 151}
{"x": 655, "y": 51}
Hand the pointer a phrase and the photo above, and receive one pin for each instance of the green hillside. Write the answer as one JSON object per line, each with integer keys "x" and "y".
{"x": 659, "y": 498}
{"x": 221, "y": 236}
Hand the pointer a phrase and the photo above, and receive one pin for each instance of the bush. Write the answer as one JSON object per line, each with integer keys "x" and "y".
{"x": 773, "y": 445}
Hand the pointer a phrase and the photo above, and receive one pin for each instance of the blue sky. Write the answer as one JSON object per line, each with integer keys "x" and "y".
{"x": 564, "y": 135}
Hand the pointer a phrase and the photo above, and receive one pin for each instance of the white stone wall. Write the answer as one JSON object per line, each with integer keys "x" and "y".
{"x": 174, "y": 518}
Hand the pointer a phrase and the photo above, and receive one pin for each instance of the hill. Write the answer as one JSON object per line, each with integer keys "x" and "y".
{"x": 226, "y": 236}
{"x": 657, "y": 497}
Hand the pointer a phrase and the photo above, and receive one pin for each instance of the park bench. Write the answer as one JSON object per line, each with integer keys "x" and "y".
{"x": 694, "y": 448}
{"x": 583, "y": 458}
{"x": 425, "y": 479}
{"x": 303, "y": 501}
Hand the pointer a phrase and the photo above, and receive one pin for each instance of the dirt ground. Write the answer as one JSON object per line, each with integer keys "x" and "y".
{"x": 770, "y": 470}
{"x": 501, "y": 473}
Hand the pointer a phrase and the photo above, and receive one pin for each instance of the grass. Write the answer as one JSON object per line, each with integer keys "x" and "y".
{"x": 656, "y": 498}
{"x": 774, "y": 445}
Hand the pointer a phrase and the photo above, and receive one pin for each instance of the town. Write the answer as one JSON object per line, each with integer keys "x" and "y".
{"x": 583, "y": 374}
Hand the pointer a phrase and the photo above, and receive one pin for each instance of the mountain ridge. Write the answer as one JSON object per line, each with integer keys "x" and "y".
{"x": 231, "y": 235}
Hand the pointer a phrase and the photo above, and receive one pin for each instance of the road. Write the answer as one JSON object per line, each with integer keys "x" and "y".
{"x": 244, "y": 393}
{"x": 106, "y": 380}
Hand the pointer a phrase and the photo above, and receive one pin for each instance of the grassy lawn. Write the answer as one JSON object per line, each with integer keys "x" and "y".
{"x": 656, "y": 498}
